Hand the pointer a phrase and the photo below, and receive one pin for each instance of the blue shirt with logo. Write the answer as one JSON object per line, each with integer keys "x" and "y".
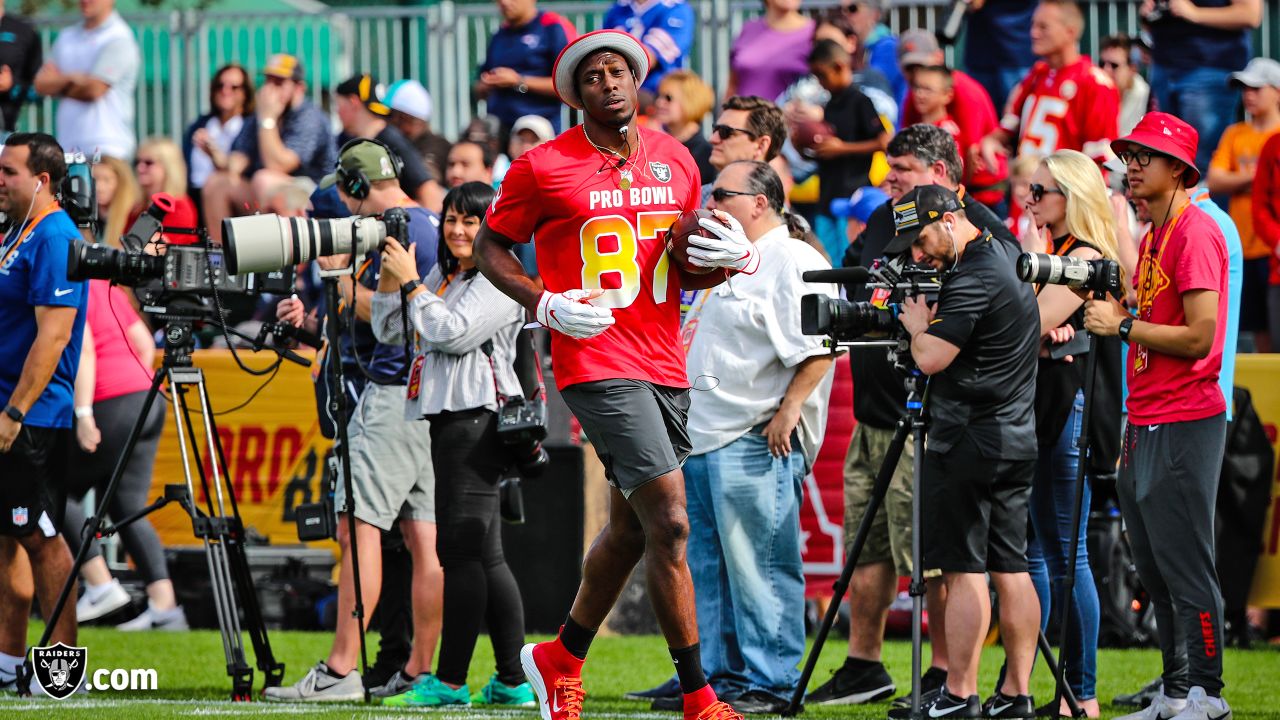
{"x": 34, "y": 274}
{"x": 665, "y": 27}
{"x": 531, "y": 50}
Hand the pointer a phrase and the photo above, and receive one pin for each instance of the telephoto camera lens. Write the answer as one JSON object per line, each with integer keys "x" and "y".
{"x": 1094, "y": 275}
{"x": 267, "y": 243}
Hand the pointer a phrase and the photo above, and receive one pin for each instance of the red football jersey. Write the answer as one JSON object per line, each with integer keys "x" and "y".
{"x": 596, "y": 226}
{"x": 1072, "y": 108}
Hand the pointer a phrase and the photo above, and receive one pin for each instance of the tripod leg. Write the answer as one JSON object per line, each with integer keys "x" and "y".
{"x": 883, "y": 477}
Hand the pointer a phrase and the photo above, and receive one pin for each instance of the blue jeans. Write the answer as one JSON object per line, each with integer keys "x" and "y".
{"x": 999, "y": 82}
{"x": 1052, "y": 503}
{"x": 1202, "y": 98}
{"x": 744, "y": 553}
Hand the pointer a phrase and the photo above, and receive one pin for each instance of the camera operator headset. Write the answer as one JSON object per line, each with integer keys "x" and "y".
{"x": 464, "y": 330}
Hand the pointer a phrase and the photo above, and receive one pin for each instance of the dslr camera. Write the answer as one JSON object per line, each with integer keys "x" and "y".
{"x": 1099, "y": 277}
{"x": 266, "y": 243}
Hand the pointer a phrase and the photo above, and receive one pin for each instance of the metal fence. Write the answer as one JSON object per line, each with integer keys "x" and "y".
{"x": 440, "y": 45}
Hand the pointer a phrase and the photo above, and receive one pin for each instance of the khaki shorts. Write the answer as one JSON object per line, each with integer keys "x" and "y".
{"x": 890, "y": 536}
{"x": 391, "y": 469}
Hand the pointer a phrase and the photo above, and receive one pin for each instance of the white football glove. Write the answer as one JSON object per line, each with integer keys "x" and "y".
{"x": 729, "y": 249}
{"x": 571, "y": 313}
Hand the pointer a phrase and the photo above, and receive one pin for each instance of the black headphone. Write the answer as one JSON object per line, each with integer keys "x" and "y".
{"x": 355, "y": 182}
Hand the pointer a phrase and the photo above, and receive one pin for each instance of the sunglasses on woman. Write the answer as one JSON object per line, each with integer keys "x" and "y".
{"x": 1038, "y": 192}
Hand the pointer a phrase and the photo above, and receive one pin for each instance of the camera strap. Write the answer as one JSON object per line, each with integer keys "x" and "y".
{"x": 25, "y": 233}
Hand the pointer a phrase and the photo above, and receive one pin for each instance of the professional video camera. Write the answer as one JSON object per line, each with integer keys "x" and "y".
{"x": 1096, "y": 276}
{"x": 76, "y": 193}
{"x": 265, "y": 243}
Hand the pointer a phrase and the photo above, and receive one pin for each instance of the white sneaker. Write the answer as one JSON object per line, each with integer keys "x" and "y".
{"x": 97, "y": 603}
{"x": 319, "y": 686}
{"x": 152, "y": 619}
{"x": 1201, "y": 706}
{"x": 1161, "y": 708}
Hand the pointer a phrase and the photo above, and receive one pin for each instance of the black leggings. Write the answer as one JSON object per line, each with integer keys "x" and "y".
{"x": 115, "y": 418}
{"x": 479, "y": 588}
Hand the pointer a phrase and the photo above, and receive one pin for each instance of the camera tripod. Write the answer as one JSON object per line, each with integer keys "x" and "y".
{"x": 912, "y": 422}
{"x": 217, "y": 524}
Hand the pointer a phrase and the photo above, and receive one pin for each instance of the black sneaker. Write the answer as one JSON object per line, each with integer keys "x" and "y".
{"x": 667, "y": 704}
{"x": 854, "y": 683}
{"x": 1003, "y": 706}
{"x": 1142, "y": 698}
{"x": 943, "y": 705}
{"x": 930, "y": 683}
{"x": 759, "y": 702}
{"x": 670, "y": 688}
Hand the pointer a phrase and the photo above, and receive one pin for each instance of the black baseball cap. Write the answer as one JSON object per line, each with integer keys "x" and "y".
{"x": 370, "y": 92}
{"x": 921, "y": 207}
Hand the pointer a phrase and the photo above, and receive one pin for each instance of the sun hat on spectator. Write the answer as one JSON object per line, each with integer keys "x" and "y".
{"x": 582, "y": 48}
{"x": 284, "y": 66}
{"x": 536, "y": 124}
{"x": 410, "y": 98}
{"x": 1167, "y": 135}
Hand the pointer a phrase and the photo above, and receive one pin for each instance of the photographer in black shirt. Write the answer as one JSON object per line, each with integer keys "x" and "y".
{"x": 979, "y": 346}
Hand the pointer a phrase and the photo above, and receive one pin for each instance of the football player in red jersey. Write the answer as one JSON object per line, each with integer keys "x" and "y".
{"x": 596, "y": 202}
{"x": 1065, "y": 102}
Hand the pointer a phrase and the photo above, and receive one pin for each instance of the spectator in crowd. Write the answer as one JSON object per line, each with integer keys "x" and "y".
{"x": 410, "y": 105}
{"x": 877, "y": 41}
{"x": 161, "y": 169}
{"x": 363, "y": 114}
{"x": 1167, "y": 495}
{"x": 1064, "y": 103}
{"x": 1195, "y": 46}
{"x": 835, "y": 24}
{"x": 469, "y": 162}
{"x": 664, "y": 28}
{"x": 857, "y": 209}
{"x": 92, "y": 71}
{"x": 1235, "y": 288}
{"x": 970, "y": 108}
{"x": 287, "y": 140}
{"x": 844, "y": 161}
{"x": 1020, "y": 221}
{"x": 683, "y": 101}
{"x": 770, "y": 52}
{"x": 117, "y": 194}
{"x": 1116, "y": 58}
{"x": 919, "y": 155}
{"x": 755, "y": 435}
{"x": 515, "y": 78}
{"x": 41, "y": 325}
{"x": 467, "y": 331}
{"x": 112, "y": 384}
{"x": 391, "y": 466}
{"x": 1068, "y": 198}
{"x": 528, "y": 133}
{"x": 979, "y": 346}
{"x": 749, "y": 128}
{"x": 206, "y": 145}
{"x": 1266, "y": 223}
{"x": 1232, "y": 171}
{"x": 20, "y": 57}
{"x": 997, "y": 47}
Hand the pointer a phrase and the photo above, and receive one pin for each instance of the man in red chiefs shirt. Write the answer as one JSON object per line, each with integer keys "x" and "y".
{"x": 596, "y": 202}
{"x": 1065, "y": 102}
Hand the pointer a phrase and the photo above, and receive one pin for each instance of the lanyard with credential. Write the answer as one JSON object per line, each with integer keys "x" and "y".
{"x": 26, "y": 232}
{"x": 690, "y": 327}
{"x": 1150, "y": 257}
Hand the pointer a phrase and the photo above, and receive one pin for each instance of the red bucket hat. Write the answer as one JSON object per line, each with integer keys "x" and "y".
{"x": 1167, "y": 135}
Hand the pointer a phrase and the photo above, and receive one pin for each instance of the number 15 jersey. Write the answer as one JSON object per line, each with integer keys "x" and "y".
{"x": 1075, "y": 107}
{"x": 597, "y": 226}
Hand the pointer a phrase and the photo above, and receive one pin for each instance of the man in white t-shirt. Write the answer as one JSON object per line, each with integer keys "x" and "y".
{"x": 756, "y": 421}
{"x": 93, "y": 70}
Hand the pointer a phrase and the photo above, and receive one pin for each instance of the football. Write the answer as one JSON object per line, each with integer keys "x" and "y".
{"x": 678, "y": 238}
{"x": 809, "y": 134}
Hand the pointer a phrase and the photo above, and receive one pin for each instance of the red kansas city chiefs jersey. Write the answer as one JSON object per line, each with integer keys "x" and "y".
{"x": 1072, "y": 108}
{"x": 591, "y": 233}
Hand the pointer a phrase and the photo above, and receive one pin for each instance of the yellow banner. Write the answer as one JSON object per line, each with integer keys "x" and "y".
{"x": 1261, "y": 374}
{"x": 275, "y": 453}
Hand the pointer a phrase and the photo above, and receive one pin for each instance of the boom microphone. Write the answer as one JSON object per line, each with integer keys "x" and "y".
{"x": 849, "y": 275}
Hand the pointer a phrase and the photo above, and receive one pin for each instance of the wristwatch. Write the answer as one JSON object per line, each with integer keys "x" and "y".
{"x": 1126, "y": 326}
{"x": 267, "y": 123}
{"x": 522, "y": 88}
{"x": 14, "y": 413}
{"x": 410, "y": 286}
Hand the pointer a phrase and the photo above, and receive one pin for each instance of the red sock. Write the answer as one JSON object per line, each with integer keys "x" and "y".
{"x": 697, "y": 701}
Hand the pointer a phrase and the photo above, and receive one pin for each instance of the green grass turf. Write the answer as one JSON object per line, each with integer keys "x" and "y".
{"x": 193, "y": 680}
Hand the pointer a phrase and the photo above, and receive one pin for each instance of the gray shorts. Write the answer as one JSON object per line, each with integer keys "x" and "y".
{"x": 391, "y": 469}
{"x": 638, "y": 429}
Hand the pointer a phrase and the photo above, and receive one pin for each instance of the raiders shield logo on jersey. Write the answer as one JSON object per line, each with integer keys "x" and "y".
{"x": 661, "y": 171}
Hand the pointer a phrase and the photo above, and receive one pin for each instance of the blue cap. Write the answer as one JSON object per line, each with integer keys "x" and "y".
{"x": 326, "y": 204}
{"x": 860, "y": 206}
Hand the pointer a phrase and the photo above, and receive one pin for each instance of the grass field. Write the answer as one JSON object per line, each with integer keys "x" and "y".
{"x": 193, "y": 682}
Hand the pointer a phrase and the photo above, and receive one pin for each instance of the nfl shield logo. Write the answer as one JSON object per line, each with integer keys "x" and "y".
{"x": 59, "y": 669}
{"x": 661, "y": 171}
{"x": 20, "y": 516}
